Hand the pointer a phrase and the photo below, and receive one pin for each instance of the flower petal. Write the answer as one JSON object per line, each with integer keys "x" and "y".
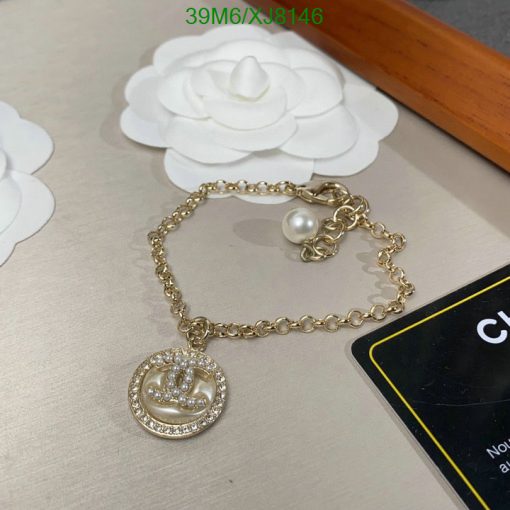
{"x": 357, "y": 158}
{"x": 176, "y": 50}
{"x": 262, "y": 139}
{"x": 301, "y": 58}
{"x": 323, "y": 136}
{"x": 10, "y": 202}
{"x": 10, "y": 195}
{"x": 7, "y": 113}
{"x": 3, "y": 164}
{"x": 140, "y": 76}
{"x": 271, "y": 166}
{"x": 291, "y": 82}
{"x": 176, "y": 94}
{"x": 36, "y": 208}
{"x": 323, "y": 92}
{"x": 288, "y": 38}
{"x": 248, "y": 80}
{"x": 241, "y": 114}
{"x": 261, "y": 50}
{"x": 227, "y": 33}
{"x": 170, "y": 52}
{"x": 373, "y": 109}
{"x": 140, "y": 130}
{"x": 212, "y": 78}
{"x": 143, "y": 100}
{"x": 26, "y": 145}
{"x": 376, "y": 117}
{"x": 192, "y": 139}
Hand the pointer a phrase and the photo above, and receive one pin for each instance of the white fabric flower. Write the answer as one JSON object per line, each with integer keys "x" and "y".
{"x": 26, "y": 204}
{"x": 240, "y": 103}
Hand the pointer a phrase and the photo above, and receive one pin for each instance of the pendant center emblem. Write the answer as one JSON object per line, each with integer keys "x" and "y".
{"x": 179, "y": 384}
{"x": 177, "y": 393}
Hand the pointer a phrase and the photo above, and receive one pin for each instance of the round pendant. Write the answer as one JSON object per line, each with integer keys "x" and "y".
{"x": 177, "y": 393}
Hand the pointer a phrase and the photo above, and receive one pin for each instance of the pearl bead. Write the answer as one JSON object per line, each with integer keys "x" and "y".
{"x": 300, "y": 224}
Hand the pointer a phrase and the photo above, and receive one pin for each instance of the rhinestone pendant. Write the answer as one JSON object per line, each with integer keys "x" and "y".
{"x": 177, "y": 393}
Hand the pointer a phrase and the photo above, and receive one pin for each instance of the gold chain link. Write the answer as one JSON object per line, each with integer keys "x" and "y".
{"x": 351, "y": 211}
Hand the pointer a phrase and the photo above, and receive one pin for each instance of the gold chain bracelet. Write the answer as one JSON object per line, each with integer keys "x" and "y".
{"x": 179, "y": 392}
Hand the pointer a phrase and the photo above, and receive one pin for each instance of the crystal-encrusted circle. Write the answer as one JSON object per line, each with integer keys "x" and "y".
{"x": 177, "y": 393}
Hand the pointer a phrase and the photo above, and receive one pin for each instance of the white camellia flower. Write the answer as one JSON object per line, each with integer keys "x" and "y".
{"x": 241, "y": 103}
{"x": 26, "y": 204}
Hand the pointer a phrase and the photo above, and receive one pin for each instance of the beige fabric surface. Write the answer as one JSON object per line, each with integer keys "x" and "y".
{"x": 80, "y": 307}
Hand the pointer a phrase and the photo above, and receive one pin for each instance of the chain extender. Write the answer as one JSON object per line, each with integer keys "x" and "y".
{"x": 351, "y": 211}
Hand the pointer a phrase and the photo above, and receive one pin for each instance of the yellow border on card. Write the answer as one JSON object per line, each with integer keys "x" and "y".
{"x": 406, "y": 403}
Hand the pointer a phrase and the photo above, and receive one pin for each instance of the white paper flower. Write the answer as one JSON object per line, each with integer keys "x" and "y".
{"x": 26, "y": 204}
{"x": 240, "y": 103}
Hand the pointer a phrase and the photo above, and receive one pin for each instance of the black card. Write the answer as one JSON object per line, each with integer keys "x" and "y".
{"x": 445, "y": 369}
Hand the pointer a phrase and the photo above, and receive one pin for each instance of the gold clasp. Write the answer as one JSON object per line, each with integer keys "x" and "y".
{"x": 325, "y": 193}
